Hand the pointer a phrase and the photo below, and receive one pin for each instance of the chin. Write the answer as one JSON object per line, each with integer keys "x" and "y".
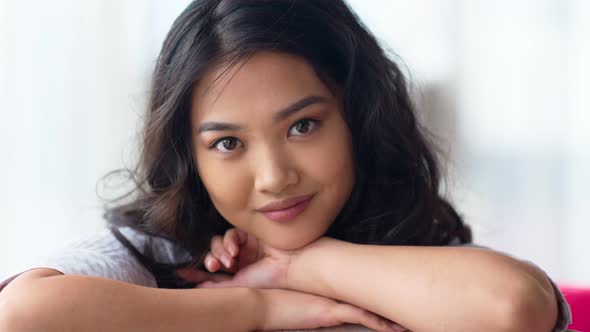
{"x": 290, "y": 244}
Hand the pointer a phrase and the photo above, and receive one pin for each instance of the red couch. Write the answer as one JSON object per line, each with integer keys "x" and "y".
{"x": 579, "y": 301}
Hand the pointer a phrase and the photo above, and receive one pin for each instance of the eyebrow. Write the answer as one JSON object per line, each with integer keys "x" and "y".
{"x": 280, "y": 115}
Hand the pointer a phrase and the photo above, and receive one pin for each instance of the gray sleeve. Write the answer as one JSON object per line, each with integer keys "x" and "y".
{"x": 102, "y": 255}
{"x": 564, "y": 318}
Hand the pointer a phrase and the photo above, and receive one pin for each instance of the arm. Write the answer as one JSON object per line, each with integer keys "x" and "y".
{"x": 45, "y": 300}
{"x": 429, "y": 288}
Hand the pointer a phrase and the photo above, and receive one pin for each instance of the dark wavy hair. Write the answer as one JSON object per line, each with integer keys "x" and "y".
{"x": 396, "y": 198}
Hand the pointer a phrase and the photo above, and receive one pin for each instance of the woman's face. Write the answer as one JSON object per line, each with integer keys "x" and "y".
{"x": 268, "y": 131}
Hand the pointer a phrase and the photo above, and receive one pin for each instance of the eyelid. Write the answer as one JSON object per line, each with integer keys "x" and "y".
{"x": 213, "y": 145}
{"x": 316, "y": 124}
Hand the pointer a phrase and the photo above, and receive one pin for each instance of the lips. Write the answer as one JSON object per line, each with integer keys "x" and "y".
{"x": 287, "y": 209}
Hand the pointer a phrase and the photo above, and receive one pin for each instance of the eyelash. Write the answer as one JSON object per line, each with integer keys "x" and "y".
{"x": 314, "y": 123}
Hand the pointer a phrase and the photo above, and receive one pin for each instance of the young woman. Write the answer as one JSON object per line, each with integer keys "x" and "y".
{"x": 281, "y": 153}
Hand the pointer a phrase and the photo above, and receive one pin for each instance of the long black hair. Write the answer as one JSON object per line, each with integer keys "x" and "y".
{"x": 396, "y": 198}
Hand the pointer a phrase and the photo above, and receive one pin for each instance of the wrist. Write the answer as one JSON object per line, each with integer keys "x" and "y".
{"x": 304, "y": 272}
{"x": 292, "y": 276}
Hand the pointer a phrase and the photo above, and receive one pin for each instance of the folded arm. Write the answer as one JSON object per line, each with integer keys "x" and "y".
{"x": 429, "y": 288}
{"x": 46, "y": 300}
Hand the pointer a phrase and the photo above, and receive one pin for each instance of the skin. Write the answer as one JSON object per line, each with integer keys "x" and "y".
{"x": 272, "y": 158}
{"x": 46, "y": 300}
{"x": 273, "y": 162}
{"x": 421, "y": 288}
{"x": 288, "y": 264}
{"x": 494, "y": 292}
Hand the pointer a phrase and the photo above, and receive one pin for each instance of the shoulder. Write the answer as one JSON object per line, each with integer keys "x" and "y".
{"x": 102, "y": 254}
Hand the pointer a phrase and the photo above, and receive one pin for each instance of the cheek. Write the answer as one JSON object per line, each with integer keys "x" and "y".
{"x": 330, "y": 162}
{"x": 329, "y": 169}
{"x": 339, "y": 176}
{"x": 227, "y": 186}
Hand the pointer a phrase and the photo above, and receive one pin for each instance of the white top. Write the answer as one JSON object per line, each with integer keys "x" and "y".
{"x": 104, "y": 256}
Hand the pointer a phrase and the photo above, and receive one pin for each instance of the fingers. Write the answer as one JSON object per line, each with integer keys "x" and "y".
{"x": 212, "y": 264}
{"x": 219, "y": 251}
{"x": 352, "y": 314}
{"x": 232, "y": 241}
{"x": 224, "y": 251}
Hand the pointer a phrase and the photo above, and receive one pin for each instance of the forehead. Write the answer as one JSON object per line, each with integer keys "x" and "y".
{"x": 266, "y": 81}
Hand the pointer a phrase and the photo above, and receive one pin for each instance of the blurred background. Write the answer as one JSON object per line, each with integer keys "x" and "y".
{"x": 503, "y": 84}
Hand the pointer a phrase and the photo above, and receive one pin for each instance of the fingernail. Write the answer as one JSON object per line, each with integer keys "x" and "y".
{"x": 225, "y": 261}
{"x": 232, "y": 251}
{"x": 209, "y": 264}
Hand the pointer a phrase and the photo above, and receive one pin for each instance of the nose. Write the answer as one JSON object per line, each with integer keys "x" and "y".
{"x": 274, "y": 172}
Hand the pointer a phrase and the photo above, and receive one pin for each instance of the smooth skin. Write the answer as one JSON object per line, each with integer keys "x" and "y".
{"x": 249, "y": 152}
{"x": 46, "y": 300}
{"x": 289, "y": 160}
{"x": 267, "y": 129}
{"x": 450, "y": 289}
{"x": 288, "y": 275}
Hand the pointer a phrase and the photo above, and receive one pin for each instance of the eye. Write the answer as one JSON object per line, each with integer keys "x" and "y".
{"x": 226, "y": 144}
{"x": 303, "y": 127}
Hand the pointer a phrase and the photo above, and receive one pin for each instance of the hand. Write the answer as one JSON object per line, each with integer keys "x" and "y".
{"x": 252, "y": 263}
{"x": 292, "y": 310}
